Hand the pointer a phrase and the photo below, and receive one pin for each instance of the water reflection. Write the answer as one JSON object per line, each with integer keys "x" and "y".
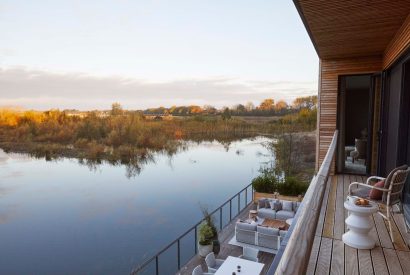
{"x": 106, "y": 222}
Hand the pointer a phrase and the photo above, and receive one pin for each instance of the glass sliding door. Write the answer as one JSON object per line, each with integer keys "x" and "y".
{"x": 355, "y": 124}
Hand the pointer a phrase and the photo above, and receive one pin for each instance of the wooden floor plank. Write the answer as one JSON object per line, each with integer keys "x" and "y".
{"x": 365, "y": 262}
{"x": 321, "y": 219}
{"x": 313, "y": 256}
{"x": 339, "y": 210}
{"x": 399, "y": 220}
{"x": 393, "y": 263}
{"x": 325, "y": 254}
{"x": 382, "y": 231}
{"x": 378, "y": 260}
{"x": 351, "y": 261}
{"x": 330, "y": 210}
{"x": 404, "y": 259}
{"x": 337, "y": 266}
{"x": 373, "y": 231}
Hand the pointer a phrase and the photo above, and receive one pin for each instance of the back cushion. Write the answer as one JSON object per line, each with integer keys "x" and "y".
{"x": 268, "y": 230}
{"x": 246, "y": 226}
{"x": 287, "y": 205}
{"x": 277, "y": 205}
{"x": 262, "y": 203}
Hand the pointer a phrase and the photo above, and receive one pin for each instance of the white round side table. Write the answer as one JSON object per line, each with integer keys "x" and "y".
{"x": 359, "y": 224}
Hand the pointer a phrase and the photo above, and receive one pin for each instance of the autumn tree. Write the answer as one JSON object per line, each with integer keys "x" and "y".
{"x": 267, "y": 104}
{"x": 281, "y": 106}
{"x": 308, "y": 102}
{"x": 116, "y": 109}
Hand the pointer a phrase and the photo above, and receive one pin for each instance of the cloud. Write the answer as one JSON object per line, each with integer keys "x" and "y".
{"x": 44, "y": 90}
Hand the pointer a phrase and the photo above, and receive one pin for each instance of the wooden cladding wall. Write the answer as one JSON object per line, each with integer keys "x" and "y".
{"x": 330, "y": 70}
{"x": 399, "y": 44}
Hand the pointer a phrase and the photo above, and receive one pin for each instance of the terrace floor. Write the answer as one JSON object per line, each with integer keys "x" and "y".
{"x": 330, "y": 256}
{"x": 226, "y": 249}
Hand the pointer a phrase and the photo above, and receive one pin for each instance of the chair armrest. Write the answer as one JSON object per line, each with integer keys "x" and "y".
{"x": 374, "y": 178}
{"x": 219, "y": 261}
{"x": 366, "y": 185}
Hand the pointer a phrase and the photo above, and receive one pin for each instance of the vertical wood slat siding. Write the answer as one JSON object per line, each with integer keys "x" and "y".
{"x": 330, "y": 70}
{"x": 399, "y": 44}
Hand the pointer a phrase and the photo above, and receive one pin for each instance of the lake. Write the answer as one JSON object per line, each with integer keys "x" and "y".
{"x": 64, "y": 217}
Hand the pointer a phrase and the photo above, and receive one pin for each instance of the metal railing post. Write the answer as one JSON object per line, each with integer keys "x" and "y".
{"x": 246, "y": 196}
{"x": 220, "y": 218}
{"x": 230, "y": 210}
{"x": 239, "y": 203}
{"x": 156, "y": 265}
{"x": 196, "y": 240}
{"x": 179, "y": 255}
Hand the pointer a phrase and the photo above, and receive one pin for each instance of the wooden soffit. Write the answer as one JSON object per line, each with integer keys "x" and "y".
{"x": 352, "y": 28}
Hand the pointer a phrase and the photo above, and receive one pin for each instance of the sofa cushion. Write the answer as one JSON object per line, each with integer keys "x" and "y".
{"x": 246, "y": 226}
{"x": 287, "y": 205}
{"x": 267, "y": 204}
{"x": 283, "y": 233}
{"x": 266, "y": 213}
{"x": 262, "y": 203}
{"x": 268, "y": 230}
{"x": 284, "y": 215}
{"x": 277, "y": 205}
{"x": 377, "y": 194}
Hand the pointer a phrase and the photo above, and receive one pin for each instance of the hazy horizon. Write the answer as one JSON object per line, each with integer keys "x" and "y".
{"x": 142, "y": 54}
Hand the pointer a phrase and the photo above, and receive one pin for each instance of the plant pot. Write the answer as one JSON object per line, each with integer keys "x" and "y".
{"x": 204, "y": 250}
{"x": 216, "y": 247}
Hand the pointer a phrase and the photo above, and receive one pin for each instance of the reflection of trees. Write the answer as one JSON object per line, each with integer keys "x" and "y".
{"x": 293, "y": 154}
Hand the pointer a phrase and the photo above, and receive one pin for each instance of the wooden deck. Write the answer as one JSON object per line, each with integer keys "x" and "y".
{"x": 226, "y": 249}
{"x": 330, "y": 256}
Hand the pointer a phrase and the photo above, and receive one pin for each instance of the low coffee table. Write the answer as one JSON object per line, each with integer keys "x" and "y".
{"x": 279, "y": 224}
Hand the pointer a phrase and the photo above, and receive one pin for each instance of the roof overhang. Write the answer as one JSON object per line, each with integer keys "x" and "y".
{"x": 352, "y": 28}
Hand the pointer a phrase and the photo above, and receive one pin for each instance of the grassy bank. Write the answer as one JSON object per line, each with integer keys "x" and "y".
{"x": 126, "y": 136}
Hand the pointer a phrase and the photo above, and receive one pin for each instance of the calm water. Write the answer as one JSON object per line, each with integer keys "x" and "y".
{"x": 61, "y": 217}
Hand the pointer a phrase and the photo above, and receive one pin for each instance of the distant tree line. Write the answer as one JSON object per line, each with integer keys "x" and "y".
{"x": 268, "y": 107}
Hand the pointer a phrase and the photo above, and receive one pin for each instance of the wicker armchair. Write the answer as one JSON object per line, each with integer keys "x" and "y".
{"x": 392, "y": 190}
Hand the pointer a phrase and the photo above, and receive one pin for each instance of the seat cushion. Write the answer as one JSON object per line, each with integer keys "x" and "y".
{"x": 268, "y": 230}
{"x": 284, "y": 215}
{"x": 377, "y": 194}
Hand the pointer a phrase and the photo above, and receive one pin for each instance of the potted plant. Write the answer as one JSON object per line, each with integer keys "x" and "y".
{"x": 208, "y": 235}
{"x": 205, "y": 239}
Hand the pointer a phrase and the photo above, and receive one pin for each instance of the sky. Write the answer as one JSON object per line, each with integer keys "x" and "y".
{"x": 88, "y": 54}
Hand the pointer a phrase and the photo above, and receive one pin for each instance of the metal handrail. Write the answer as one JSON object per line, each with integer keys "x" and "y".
{"x": 177, "y": 240}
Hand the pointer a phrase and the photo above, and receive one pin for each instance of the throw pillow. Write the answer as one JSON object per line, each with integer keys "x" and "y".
{"x": 262, "y": 203}
{"x": 287, "y": 205}
{"x": 377, "y": 194}
{"x": 277, "y": 206}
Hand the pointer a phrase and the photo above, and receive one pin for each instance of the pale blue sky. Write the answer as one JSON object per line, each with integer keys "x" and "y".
{"x": 221, "y": 52}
